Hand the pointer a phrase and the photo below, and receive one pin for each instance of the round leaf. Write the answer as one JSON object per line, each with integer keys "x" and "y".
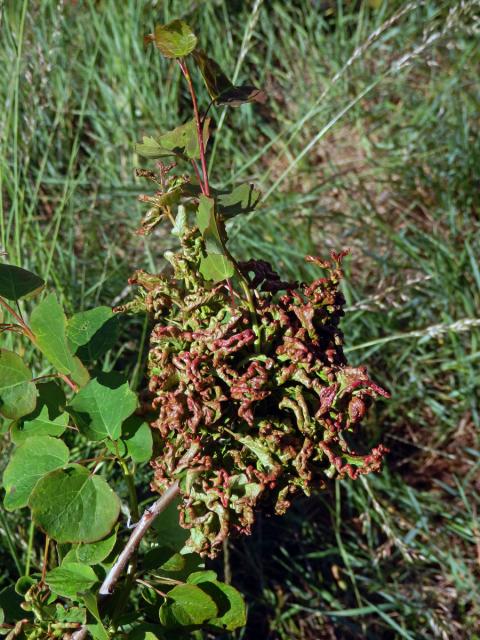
{"x": 175, "y": 39}
{"x": 30, "y": 462}
{"x": 15, "y": 282}
{"x": 187, "y": 605}
{"x": 216, "y": 267}
{"x": 71, "y": 578}
{"x": 71, "y": 505}
{"x": 18, "y": 394}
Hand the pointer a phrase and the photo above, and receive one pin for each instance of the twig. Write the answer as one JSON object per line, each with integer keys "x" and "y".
{"x": 26, "y": 330}
{"x": 138, "y": 533}
{"x": 198, "y": 121}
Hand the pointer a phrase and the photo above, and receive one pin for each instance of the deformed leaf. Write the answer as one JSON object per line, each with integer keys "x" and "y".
{"x": 181, "y": 141}
{"x": 18, "y": 394}
{"x": 70, "y": 578}
{"x": 150, "y": 148}
{"x": 187, "y": 605}
{"x": 29, "y": 463}
{"x": 175, "y": 39}
{"x": 15, "y": 282}
{"x": 216, "y": 267}
{"x": 102, "y": 406}
{"x": 72, "y": 505}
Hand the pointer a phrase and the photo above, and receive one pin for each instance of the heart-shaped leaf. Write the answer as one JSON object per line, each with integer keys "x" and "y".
{"x": 175, "y": 39}
{"x": 71, "y": 505}
{"x": 15, "y": 282}
{"x": 102, "y": 406}
{"x": 29, "y": 463}
{"x": 211, "y": 230}
{"x": 18, "y": 394}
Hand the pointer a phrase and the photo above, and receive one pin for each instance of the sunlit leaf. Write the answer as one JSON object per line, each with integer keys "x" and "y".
{"x": 216, "y": 267}
{"x": 70, "y": 578}
{"x": 29, "y": 463}
{"x": 18, "y": 394}
{"x": 49, "y": 324}
{"x": 175, "y": 39}
{"x": 187, "y": 605}
{"x": 243, "y": 199}
{"x": 72, "y": 505}
{"x": 102, "y": 406}
{"x": 92, "y": 333}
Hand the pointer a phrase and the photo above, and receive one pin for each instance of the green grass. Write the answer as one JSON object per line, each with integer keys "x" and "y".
{"x": 383, "y": 159}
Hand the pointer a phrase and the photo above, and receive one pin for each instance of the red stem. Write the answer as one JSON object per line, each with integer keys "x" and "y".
{"x": 184, "y": 68}
{"x": 26, "y": 330}
{"x": 197, "y": 172}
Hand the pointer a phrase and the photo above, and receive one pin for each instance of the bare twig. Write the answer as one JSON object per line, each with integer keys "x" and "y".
{"x": 138, "y": 533}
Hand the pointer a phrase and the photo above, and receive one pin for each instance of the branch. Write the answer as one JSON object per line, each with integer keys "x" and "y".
{"x": 138, "y": 533}
{"x": 198, "y": 121}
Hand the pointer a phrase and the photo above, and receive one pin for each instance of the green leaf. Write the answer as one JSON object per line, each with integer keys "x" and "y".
{"x": 10, "y": 603}
{"x": 102, "y": 406}
{"x": 243, "y": 199}
{"x": 98, "y": 631}
{"x": 229, "y": 601}
{"x": 175, "y": 39}
{"x": 201, "y": 576}
{"x": 49, "y": 324}
{"x": 48, "y": 418}
{"x": 219, "y": 87}
{"x": 15, "y": 282}
{"x": 215, "y": 79}
{"x": 207, "y": 222}
{"x": 180, "y": 221}
{"x": 41, "y": 425}
{"x": 241, "y": 94}
{"x": 216, "y": 267}
{"x": 181, "y": 141}
{"x": 28, "y": 464}
{"x": 92, "y": 333}
{"x": 235, "y": 615}
{"x": 96, "y": 552}
{"x": 18, "y": 394}
{"x": 71, "y": 505}
{"x": 70, "y": 578}
{"x": 150, "y": 148}
{"x": 187, "y": 605}
{"x": 137, "y": 437}
{"x": 163, "y": 559}
{"x": 168, "y": 530}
